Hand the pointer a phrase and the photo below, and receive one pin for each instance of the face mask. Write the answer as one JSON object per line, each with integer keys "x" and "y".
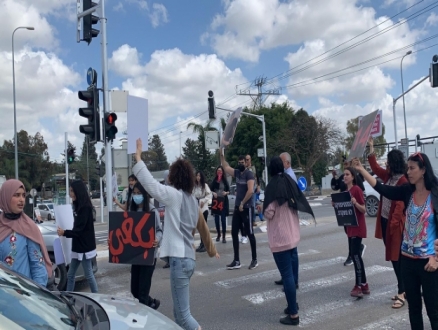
{"x": 241, "y": 167}
{"x": 138, "y": 199}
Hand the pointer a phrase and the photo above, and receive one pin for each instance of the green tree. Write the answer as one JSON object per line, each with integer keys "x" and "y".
{"x": 156, "y": 155}
{"x": 83, "y": 171}
{"x": 353, "y": 127}
{"x": 34, "y": 166}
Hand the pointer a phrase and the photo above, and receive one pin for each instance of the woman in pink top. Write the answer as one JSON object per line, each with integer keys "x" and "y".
{"x": 282, "y": 201}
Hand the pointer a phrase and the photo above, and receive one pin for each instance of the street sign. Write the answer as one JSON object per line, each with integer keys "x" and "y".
{"x": 91, "y": 76}
{"x": 212, "y": 140}
{"x": 33, "y": 192}
{"x": 302, "y": 183}
{"x": 404, "y": 142}
{"x": 260, "y": 152}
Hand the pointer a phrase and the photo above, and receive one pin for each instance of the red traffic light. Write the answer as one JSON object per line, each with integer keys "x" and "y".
{"x": 111, "y": 118}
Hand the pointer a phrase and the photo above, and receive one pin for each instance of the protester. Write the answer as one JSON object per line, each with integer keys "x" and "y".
{"x": 339, "y": 184}
{"x": 22, "y": 246}
{"x": 203, "y": 195}
{"x": 242, "y": 209}
{"x": 132, "y": 180}
{"x": 418, "y": 263}
{"x": 356, "y": 233}
{"x": 141, "y": 275}
{"x": 82, "y": 235}
{"x": 220, "y": 187}
{"x": 181, "y": 218}
{"x": 282, "y": 201}
{"x": 390, "y": 220}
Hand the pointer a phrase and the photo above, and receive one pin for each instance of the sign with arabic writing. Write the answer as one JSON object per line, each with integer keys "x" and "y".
{"x": 344, "y": 209}
{"x": 131, "y": 236}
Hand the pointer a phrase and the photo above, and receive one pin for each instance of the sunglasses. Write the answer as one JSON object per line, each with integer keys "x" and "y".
{"x": 417, "y": 154}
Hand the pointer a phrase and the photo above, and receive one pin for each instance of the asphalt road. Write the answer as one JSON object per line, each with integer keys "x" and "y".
{"x": 249, "y": 299}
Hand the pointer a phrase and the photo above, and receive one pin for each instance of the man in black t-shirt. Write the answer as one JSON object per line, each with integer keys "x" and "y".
{"x": 242, "y": 209}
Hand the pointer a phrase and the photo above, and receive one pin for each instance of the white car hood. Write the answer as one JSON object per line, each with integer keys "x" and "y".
{"x": 127, "y": 314}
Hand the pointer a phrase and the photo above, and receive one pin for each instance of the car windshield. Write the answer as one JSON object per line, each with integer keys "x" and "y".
{"x": 30, "y": 306}
{"x": 50, "y": 206}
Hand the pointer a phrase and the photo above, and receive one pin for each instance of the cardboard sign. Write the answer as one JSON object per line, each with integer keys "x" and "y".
{"x": 64, "y": 220}
{"x": 362, "y": 135}
{"x": 230, "y": 129}
{"x": 344, "y": 209}
{"x": 217, "y": 205}
{"x": 131, "y": 236}
{"x": 377, "y": 129}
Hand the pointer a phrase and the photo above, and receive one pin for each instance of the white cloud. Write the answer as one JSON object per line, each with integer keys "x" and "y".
{"x": 432, "y": 20}
{"x": 158, "y": 15}
{"x": 118, "y": 7}
{"x": 176, "y": 85}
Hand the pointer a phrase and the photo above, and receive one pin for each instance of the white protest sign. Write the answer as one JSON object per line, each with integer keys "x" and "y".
{"x": 64, "y": 220}
{"x": 137, "y": 123}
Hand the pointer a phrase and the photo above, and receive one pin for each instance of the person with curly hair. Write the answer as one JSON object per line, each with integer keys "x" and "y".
{"x": 390, "y": 218}
{"x": 181, "y": 219}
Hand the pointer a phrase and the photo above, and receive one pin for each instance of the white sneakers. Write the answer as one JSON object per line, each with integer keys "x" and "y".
{"x": 243, "y": 239}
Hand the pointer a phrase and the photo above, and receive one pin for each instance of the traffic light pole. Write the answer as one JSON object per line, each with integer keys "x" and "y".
{"x": 101, "y": 191}
{"x": 67, "y": 183}
{"x": 108, "y": 151}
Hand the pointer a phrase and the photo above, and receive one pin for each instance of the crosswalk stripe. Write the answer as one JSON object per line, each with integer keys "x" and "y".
{"x": 262, "y": 297}
{"x": 399, "y": 321}
{"x": 232, "y": 283}
{"x": 319, "y": 313}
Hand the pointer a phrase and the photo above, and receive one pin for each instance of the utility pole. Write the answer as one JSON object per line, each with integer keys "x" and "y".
{"x": 261, "y": 96}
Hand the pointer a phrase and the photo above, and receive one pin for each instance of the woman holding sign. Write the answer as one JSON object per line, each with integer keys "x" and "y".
{"x": 357, "y": 233}
{"x": 141, "y": 275}
{"x": 418, "y": 262}
{"x": 390, "y": 220}
{"x": 219, "y": 205}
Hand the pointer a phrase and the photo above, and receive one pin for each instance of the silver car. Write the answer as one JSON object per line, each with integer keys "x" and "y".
{"x": 26, "y": 305}
{"x": 47, "y": 211}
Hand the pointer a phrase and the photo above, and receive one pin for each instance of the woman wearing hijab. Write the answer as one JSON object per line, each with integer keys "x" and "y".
{"x": 22, "y": 246}
{"x": 82, "y": 235}
{"x": 282, "y": 202}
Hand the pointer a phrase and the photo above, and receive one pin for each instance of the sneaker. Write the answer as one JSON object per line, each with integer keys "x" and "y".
{"x": 166, "y": 265}
{"x": 244, "y": 240}
{"x": 201, "y": 249}
{"x": 365, "y": 288}
{"x": 224, "y": 240}
{"x": 356, "y": 292}
{"x": 218, "y": 238}
{"x": 253, "y": 264}
{"x": 290, "y": 321}
{"x": 279, "y": 282}
{"x": 348, "y": 262}
{"x": 234, "y": 265}
{"x": 362, "y": 249}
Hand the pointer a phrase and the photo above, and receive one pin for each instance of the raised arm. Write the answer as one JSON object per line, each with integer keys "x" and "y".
{"x": 228, "y": 169}
{"x": 376, "y": 168}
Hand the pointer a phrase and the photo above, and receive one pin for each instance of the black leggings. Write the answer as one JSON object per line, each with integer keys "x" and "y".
{"x": 416, "y": 279}
{"x": 395, "y": 264}
{"x": 141, "y": 281}
{"x": 242, "y": 218}
{"x": 354, "y": 243}
{"x": 205, "y": 214}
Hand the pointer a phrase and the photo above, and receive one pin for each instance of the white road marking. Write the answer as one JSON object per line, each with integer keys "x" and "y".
{"x": 262, "y": 297}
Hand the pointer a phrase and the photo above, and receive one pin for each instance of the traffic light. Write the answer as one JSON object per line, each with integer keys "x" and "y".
{"x": 211, "y": 105}
{"x": 418, "y": 140}
{"x": 110, "y": 126}
{"x": 71, "y": 155}
{"x": 433, "y": 77}
{"x": 91, "y": 112}
{"x": 88, "y": 21}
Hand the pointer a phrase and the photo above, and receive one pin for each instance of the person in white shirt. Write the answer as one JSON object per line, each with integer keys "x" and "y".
{"x": 204, "y": 196}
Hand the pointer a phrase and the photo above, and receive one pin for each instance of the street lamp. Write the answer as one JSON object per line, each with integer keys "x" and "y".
{"x": 403, "y": 90}
{"x": 13, "y": 93}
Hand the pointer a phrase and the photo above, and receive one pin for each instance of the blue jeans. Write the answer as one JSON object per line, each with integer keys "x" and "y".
{"x": 181, "y": 270}
{"x": 223, "y": 219}
{"x": 284, "y": 261}
{"x": 295, "y": 264}
{"x": 88, "y": 272}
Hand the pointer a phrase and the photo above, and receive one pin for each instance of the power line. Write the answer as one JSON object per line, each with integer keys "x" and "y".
{"x": 291, "y": 70}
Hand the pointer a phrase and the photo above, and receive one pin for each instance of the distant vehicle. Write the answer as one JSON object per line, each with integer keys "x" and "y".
{"x": 2, "y": 180}
{"x": 95, "y": 194}
{"x": 47, "y": 211}
{"x": 26, "y": 305}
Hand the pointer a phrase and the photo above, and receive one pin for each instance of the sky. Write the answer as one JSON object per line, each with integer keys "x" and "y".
{"x": 335, "y": 58}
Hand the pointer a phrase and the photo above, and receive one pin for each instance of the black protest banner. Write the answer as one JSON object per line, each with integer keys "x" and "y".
{"x": 362, "y": 135}
{"x": 344, "y": 209}
{"x": 217, "y": 205}
{"x": 131, "y": 236}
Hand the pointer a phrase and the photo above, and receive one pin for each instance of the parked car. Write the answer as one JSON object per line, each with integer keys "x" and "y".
{"x": 26, "y": 305}
{"x": 48, "y": 230}
{"x": 372, "y": 200}
{"x": 95, "y": 194}
{"x": 47, "y": 211}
